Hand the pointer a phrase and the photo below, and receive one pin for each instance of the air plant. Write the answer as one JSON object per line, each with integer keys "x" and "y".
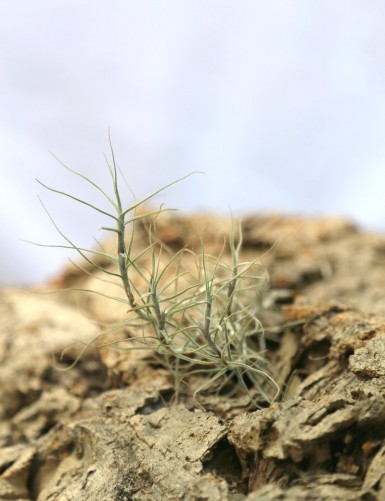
{"x": 202, "y": 324}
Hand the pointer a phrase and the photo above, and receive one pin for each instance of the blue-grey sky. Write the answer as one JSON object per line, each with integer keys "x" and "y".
{"x": 280, "y": 103}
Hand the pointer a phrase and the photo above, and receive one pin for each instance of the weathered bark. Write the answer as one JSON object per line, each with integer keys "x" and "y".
{"x": 108, "y": 429}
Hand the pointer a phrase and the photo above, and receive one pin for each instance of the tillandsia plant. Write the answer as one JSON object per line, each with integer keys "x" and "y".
{"x": 200, "y": 325}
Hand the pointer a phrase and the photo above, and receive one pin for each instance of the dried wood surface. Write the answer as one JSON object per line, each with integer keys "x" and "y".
{"x": 109, "y": 429}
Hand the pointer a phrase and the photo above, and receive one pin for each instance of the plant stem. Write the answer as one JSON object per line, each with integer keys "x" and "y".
{"x": 122, "y": 256}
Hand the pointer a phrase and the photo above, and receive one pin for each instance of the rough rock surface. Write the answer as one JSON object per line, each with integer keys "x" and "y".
{"x": 109, "y": 428}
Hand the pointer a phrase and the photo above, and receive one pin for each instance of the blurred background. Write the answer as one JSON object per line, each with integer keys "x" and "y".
{"x": 280, "y": 103}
